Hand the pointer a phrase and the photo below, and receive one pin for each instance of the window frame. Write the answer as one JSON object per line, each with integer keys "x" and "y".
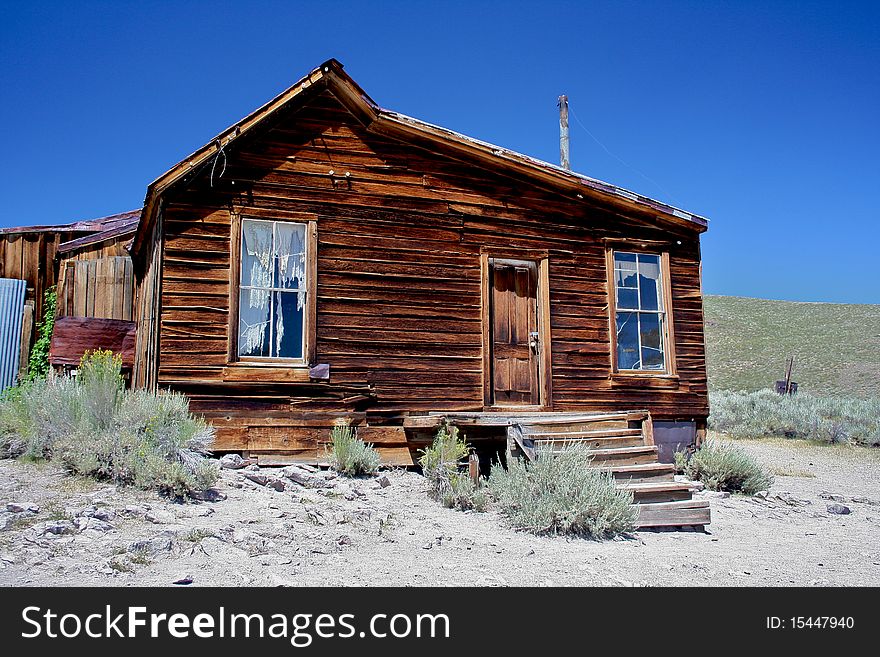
{"x": 309, "y": 314}
{"x": 667, "y": 320}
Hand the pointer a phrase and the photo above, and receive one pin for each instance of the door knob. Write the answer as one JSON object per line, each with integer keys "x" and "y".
{"x": 533, "y": 341}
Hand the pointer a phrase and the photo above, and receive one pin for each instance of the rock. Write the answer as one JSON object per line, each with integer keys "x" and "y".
{"x": 154, "y": 545}
{"x": 257, "y": 478}
{"x": 90, "y": 522}
{"x": 58, "y": 528}
{"x": 252, "y": 467}
{"x": 307, "y": 467}
{"x": 232, "y": 462}
{"x": 761, "y": 494}
{"x": 5, "y": 522}
{"x": 833, "y": 498}
{"x": 715, "y": 494}
{"x": 300, "y": 475}
{"x": 383, "y": 481}
{"x": 183, "y": 581}
{"x": 791, "y": 500}
{"x": 277, "y": 484}
{"x": 134, "y": 511}
{"x": 209, "y": 495}
{"x": 105, "y": 514}
{"x": 345, "y": 539}
{"x": 838, "y": 509}
{"x": 159, "y": 517}
{"x": 14, "y": 507}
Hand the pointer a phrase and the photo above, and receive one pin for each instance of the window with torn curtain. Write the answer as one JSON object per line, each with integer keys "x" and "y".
{"x": 640, "y": 317}
{"x": 273, "y": 291}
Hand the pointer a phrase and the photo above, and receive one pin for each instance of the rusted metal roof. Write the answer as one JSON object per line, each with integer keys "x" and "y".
{"x": 117, "y": 228}
{"x": 73, "y": 336}
{"x": 87, "y": 226}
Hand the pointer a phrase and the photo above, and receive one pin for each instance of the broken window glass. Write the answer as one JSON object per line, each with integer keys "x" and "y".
{"x": 640, "y": 315}
{"x": 273, "y": 289}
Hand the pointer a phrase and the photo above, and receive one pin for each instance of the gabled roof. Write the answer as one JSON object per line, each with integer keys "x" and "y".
{"x": 330, "y": 75}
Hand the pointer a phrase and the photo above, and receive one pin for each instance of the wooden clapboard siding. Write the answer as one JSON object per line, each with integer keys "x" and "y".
{"x": 398, "y": 292}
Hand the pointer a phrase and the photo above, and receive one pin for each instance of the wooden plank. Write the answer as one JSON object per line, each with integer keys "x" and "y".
{"x": 27, "y": 326}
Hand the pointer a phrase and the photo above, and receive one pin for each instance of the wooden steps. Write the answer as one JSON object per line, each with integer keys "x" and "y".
{"x": 660, "y": 491}
{"x": 671, "y": 514}
{"x": 623, "y": 445}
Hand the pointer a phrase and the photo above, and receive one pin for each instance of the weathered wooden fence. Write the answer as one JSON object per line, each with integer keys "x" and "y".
{"x": 97, "y": 288}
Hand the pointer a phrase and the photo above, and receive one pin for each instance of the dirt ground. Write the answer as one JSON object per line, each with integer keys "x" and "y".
{"x": 356, "y": 533}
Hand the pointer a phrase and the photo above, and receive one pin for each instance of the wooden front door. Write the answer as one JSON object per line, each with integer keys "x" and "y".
{"x": 514, "y": 337}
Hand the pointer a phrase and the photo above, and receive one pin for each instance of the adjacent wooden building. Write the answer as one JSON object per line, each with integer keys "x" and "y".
{"x": 325, "y": 258}
{"x": 86, "y": 261}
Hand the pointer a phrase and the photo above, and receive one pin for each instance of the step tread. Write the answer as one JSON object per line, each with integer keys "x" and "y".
{"x": 613, "y": 451}
{"x": 641, "y": 467}
{"x": 665, "y": 506}
{"x": 585, "y": 434}
{"x": 655, "y": 486}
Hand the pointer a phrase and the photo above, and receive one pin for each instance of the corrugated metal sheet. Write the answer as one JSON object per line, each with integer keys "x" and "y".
{"x": 12, "y": 292}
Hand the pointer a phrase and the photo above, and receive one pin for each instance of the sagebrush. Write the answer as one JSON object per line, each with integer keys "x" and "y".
{"x": 441, "y": 463}
{"x": 560, "y": 493}
{"x": 825, "y": 419}
{"x": 351, "y": 456}
{"x": 722, "y": 466}
{"x": 93, "y": 426}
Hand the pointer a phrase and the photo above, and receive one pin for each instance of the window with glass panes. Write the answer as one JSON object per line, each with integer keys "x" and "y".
{"x": 272, "y": 291}
{"x": 639, "y": 312}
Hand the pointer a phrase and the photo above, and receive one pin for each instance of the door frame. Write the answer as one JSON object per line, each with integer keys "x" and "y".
{"x": 541, "y": 259}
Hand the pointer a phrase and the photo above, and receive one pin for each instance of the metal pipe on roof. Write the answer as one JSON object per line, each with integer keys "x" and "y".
{"x": 564, "y": 160}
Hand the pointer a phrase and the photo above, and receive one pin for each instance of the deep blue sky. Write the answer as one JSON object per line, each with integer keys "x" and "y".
{"x": 762, "y": 116}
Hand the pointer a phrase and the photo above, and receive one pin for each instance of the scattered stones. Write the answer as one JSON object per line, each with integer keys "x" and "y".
{"x": 383, "y": 481}
{"x": 155, "y": 545}
{"x": 838, "y": 509}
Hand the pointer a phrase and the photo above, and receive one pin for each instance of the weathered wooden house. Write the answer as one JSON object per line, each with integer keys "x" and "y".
{"x": 325, "y": 258}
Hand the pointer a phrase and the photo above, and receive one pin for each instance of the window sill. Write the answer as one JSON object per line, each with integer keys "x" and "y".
{"x": 659, "y": 379}
{"x": 257, "y": 372}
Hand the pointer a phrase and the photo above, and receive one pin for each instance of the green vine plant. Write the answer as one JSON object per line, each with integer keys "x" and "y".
{"x": 38, "y": 364}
